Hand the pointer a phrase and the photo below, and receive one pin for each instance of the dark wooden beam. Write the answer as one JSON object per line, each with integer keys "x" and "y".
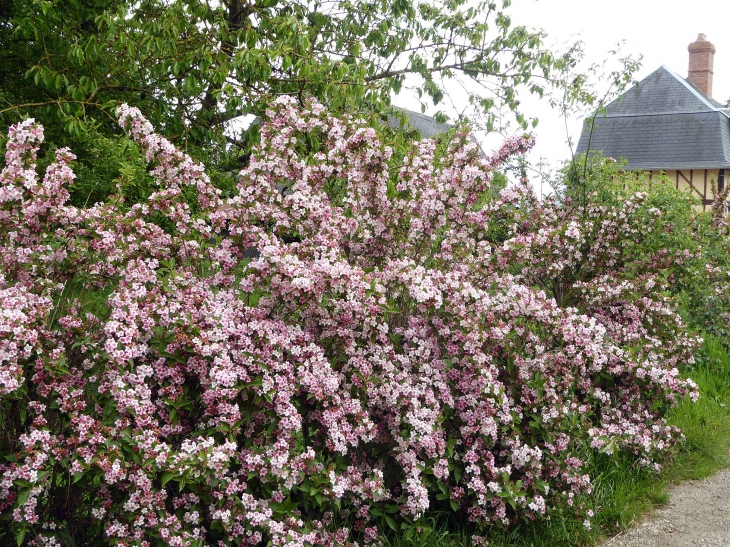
{"x": 690, "y": 182}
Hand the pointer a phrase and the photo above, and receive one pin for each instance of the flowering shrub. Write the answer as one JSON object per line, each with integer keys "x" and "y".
{"x": 705, "y": 296}
{"x": 603, "y": 261}
{"x": 377, "y": 357}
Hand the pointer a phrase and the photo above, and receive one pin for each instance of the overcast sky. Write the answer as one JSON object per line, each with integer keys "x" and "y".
{"x": 660, "y": 30}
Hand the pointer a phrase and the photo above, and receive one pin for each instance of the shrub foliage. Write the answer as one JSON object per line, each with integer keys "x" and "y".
{"x": 369, "y": 342}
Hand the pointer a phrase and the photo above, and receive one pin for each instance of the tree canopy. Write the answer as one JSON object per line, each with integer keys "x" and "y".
{"x": 195, "y": 66}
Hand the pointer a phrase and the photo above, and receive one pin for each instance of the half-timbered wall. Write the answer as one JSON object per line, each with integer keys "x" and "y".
{"x": 696, "y": 181}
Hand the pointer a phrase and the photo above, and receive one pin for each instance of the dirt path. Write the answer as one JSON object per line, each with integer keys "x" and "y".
{"x": 698, "y": 514}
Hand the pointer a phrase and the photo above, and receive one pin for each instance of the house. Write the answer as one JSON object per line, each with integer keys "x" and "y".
{"x": 669, "y": 124}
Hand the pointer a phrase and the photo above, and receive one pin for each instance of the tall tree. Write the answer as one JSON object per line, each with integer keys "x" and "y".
{"x": 196, "y": 65}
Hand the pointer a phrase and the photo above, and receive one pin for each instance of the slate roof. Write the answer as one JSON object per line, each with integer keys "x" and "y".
{"x": 664, "y": 122}
{"x": 425, "y": 125}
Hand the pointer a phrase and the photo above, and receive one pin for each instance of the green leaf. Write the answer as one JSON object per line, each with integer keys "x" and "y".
{"x": 391, "y": 522}
{"x": 167, "y": 477}
{"x": 23, "y": 497}
{"x": 457, "y": 473}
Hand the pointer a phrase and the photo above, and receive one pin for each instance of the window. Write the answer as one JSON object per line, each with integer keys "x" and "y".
{"x": 721, "y": 180}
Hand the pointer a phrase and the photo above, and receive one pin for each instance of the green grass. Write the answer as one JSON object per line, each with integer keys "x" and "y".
{"x": 706, "y": 424}
{"x": 624, "y": 492}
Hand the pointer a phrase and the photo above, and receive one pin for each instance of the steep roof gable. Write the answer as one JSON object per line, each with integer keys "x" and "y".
{"x": 664, "y": 122}
{"x": 662, "y": 92}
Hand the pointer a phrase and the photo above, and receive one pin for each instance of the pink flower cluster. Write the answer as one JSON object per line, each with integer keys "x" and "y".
{"x": 588, "y": 257}
{"x": 380, "y": 355}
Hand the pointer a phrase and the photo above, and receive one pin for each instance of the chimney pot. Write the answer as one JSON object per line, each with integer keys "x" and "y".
{"x": 701, "y": 64}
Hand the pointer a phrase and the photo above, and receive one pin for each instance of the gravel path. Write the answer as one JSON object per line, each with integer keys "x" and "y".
{"x": 698, "y": 514}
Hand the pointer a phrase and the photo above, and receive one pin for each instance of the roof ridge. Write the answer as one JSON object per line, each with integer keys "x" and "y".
{"x": 696, "y": 92}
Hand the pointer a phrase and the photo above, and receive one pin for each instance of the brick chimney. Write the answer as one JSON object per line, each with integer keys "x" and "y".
{"x": 701, "y": 64}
